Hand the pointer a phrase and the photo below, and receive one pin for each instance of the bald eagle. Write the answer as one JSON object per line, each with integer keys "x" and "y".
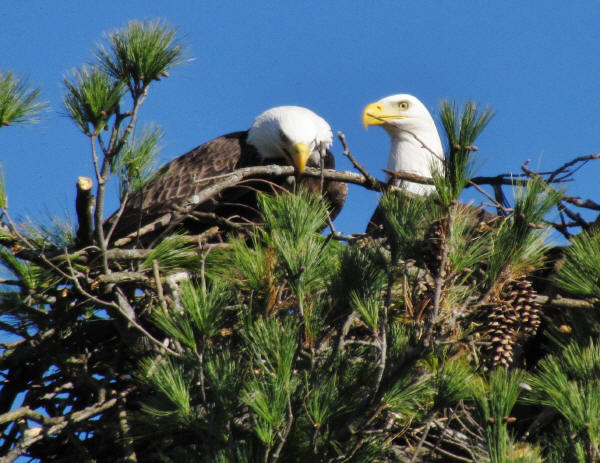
{"x": 415, "y": 143}
{"x": 415, "y": 146}
{"x": 285, "y": 135}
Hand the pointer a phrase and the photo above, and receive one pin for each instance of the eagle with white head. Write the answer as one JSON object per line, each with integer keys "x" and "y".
{"x": 415, "y": 143}
{"x": 290, "y": 132}
{"x": 416, "y": 146}
{"x": 285, "y": 135}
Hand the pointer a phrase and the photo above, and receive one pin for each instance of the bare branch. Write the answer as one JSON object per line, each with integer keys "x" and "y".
{"x": 565, "y": 167}
{"x": 84, "y": 205}
{"x": 370, "y": 179}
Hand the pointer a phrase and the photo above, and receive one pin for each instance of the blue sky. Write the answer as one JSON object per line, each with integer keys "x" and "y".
{"x": 537, "y": 63}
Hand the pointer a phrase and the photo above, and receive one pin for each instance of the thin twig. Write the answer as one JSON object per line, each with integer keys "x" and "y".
{"x": 565, "y": 166}
{"x": 496, "y": 204}
{"x": 117, "y": 217}
{"x": 115, "y": 306}
{"x": 439, "y": 280}
{"x": 31, "y": 438}
{"x": 421, "y": 441}
{"x": 370, "y": 179}
{"x": 423, "y": 145}
{"x": 159, "y": 288}
{"x": 383, "y": 333}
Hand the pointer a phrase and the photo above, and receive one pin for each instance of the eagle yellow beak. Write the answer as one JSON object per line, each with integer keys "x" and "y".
{"x": 300, "y": 156}
{"x": 377, "y": 114}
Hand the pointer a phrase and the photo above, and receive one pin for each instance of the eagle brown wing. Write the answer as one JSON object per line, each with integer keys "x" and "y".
{"x": 176, "y": 182}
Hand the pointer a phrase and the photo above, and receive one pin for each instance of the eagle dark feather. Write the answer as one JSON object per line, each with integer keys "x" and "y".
{"x": 179, "y": 180}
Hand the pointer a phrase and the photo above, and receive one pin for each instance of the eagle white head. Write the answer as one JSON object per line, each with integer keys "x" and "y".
{"x": 416, "y": 145}
{"x": 290, "y": 132}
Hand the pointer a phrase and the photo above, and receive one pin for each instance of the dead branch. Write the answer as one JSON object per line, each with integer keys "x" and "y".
{"x": 409, "y": 176}
{"x": 564, "y": 169}
{"x": 371, "y": 180}
{"x": 565, "y": 302}
{"x": 149, "y": 228}
{"x": 123, "y": 277}
{"x": 30, "y": 438}
{"x": 84, "y": 206}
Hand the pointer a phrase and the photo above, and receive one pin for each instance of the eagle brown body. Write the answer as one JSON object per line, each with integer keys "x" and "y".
{"x": 170, "y": 193}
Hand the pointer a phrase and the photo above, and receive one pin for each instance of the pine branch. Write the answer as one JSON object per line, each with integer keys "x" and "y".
{"x": 123, "y": 277}
{"x": 400, "y": 175}
{"x": 57, "y": 426}
{"x": 564, "y": 169}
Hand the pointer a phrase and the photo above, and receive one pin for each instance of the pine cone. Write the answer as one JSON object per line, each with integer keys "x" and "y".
{"x": 433, "y": 243}
{"x": 508, "y": 321}
{"x": 500, "y": 334}
{"x": 522, "y": 297}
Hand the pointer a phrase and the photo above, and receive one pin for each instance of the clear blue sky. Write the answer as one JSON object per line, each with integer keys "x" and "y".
{"x": 537, "y": 63}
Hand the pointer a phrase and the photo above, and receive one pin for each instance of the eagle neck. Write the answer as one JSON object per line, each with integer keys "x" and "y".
{"x": 408, "y": 154}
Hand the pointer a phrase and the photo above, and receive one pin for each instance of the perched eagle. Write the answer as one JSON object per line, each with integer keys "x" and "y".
{"x": 416, "y": 146}
{"x": 285, "y": 135}
{"x": 415, "y": 143}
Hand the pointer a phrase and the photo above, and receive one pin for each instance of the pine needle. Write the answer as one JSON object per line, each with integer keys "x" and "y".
{"x": 135, "y": 164}
{"x": 174, "y": 254}
{"x": 462, "y": 130}
{"x": 92, "y": 98}
{"x": 140, "y": 53}
{"x": 580, "y": 272}
{"x": 18, "y": 101}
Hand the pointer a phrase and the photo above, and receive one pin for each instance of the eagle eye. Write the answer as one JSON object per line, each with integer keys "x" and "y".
{"x": 283, "y": 137}
{"x": 404, "y": 105}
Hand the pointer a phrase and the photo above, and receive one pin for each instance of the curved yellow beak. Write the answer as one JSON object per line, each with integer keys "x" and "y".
{"x": 300, "y": 156}
{"x": 377, "y": 114}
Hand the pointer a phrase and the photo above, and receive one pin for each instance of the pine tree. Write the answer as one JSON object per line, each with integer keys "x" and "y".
{"x": 68, "y": 389}
{"x": 429, "y": 343}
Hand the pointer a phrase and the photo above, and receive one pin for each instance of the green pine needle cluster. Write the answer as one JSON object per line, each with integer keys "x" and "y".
{"x": 140, "y": 53}
{"x": 291, "y": 226}
{"x": 407, "y": 396}
{"x": 92, "y": 98}
{"x": 519, "y": 244}
{"x": 462, "y": 129}
{"x": 568, "y": 383}
{"x": 29, "y": 275}
{"x": 405, "y": 219}
{"x": 199, "y": 316}
{"x": 288, "y": 248}
{"x": 362, "y": 269}
{"x": 468, "y": 244}
{"x": 580, "y": 271}
{"x": 450, "y": 380}
{"x": 135, "y": 164}
{"x": 495, "y": 399}
{"x": 169, "y": 378}
{"x": 174, "y": 254}
{"x": 19, "y": 102}
{"x": 134, "y": 57}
